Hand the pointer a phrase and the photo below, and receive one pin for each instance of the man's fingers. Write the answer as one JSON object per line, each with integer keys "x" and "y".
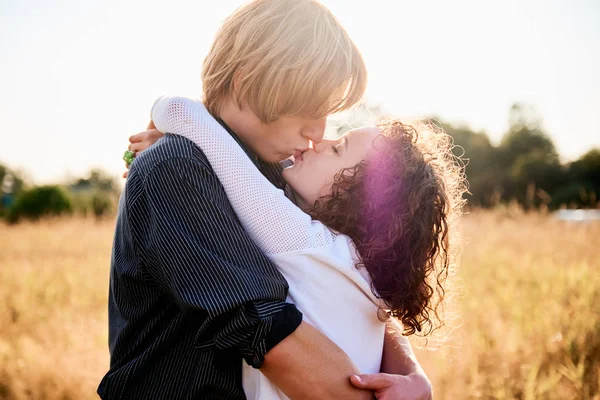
{"x": 150, "y": 125}
{"x": 374, "y": 381}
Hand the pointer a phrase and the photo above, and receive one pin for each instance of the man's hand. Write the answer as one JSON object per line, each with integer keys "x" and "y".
{"x": 141, "y": 141}
{"x": 414, "y": 386}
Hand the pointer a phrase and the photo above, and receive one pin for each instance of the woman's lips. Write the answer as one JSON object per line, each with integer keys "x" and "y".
{"x": 297, "y": 155}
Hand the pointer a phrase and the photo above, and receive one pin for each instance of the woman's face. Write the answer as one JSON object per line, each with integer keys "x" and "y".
{"x": 312, "y": 174}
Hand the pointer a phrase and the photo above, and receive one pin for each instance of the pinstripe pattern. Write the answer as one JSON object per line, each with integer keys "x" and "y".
{"x": 190, "y": 293}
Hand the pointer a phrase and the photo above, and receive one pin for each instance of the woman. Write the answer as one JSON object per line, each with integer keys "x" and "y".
{"x": 367, "y": 239}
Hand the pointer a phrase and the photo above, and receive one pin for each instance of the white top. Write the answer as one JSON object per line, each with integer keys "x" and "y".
{"x": 318, "y": 264}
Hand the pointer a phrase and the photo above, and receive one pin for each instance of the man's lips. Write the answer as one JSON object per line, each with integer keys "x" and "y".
{"x": 298, "y": 155}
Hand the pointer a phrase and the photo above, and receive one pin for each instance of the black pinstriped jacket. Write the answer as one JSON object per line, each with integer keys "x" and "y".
{"x": 190, "y": 294}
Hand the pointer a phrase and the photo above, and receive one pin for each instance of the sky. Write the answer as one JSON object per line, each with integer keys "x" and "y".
{"x": 77, "y": 78}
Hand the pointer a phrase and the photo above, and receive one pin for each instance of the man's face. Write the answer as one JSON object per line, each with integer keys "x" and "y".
{"x": 274, "y": 142}
{"x": 288, "y": 136}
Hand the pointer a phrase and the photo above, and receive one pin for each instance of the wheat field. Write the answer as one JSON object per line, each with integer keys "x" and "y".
{"x": 523, "y": 320}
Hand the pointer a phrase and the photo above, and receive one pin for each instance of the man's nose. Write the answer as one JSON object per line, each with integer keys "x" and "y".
{"x": 316, "y": 130}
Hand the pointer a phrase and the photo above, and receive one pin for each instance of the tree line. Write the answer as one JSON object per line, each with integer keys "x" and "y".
{"x": 94, "y": 195}
{"x": 524, "y": 167}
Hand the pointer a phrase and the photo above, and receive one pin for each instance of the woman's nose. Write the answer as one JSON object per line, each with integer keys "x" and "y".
{"x": 325, "y": 143}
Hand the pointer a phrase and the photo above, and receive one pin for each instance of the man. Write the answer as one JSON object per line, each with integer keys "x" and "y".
{"x": 191, "y": 295}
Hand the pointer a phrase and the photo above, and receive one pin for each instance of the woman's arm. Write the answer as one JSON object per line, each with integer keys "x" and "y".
{"x": 272, "y": 220}
{"x": 398, "y": 355}
{"x": 401, "y": 374}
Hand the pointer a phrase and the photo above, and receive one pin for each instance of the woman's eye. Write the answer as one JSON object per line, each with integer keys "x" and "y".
{"x": 335, "y": 150}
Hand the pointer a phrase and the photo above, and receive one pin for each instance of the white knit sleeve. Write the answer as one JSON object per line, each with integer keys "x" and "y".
{"x": 274, "y": 223}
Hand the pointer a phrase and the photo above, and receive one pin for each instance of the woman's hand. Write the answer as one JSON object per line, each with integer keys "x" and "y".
{"x": 414, "y": 386}
{"x": 141, "y": 141}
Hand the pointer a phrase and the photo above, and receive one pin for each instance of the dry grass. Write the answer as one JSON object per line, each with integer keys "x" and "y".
{"x": 529, "y": 325}
{"x": 53, "y": 291}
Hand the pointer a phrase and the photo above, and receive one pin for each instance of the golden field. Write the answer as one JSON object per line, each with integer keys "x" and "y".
{"x": 525, "y": 315}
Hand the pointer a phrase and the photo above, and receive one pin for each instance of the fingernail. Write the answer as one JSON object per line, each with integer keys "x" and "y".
{"x": 358, "y": 378}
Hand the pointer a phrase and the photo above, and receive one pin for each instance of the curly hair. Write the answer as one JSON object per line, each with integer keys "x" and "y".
{"x": 398, "y": 207}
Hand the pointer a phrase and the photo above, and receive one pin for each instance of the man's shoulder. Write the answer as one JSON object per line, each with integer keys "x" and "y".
{"x": 166, "y": 165}
{"x": 171, "y": 149}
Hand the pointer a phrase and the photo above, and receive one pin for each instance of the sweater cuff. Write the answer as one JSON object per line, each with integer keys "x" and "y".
{"x": 158, "y": 111}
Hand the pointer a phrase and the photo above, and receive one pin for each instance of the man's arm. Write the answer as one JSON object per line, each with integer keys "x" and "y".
{"x": 308, "y": 365}
{"x": 240, "y": 293}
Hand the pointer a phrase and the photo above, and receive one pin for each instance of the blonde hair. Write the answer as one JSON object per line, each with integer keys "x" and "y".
{"x": 283, "y": 57}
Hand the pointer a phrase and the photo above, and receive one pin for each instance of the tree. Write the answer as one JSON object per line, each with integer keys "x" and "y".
{"x": 95, "y": 194}
{"x": 97, "y": 180}
{"x": 528, "y": 156}
{"x": 536, "y": 175}
{"x": 581, "y": 185}
{"x": 480, "y": 157}
{"x": 38, "y": 202}
{"x": 587, "y": 168}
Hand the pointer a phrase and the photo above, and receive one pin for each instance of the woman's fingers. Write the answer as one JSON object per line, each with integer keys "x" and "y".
{"x": 415, "y": 386}
{"x": 143, "y": 140}
{"x": 138, "y": 146}
{"x": 138, "y": 137}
